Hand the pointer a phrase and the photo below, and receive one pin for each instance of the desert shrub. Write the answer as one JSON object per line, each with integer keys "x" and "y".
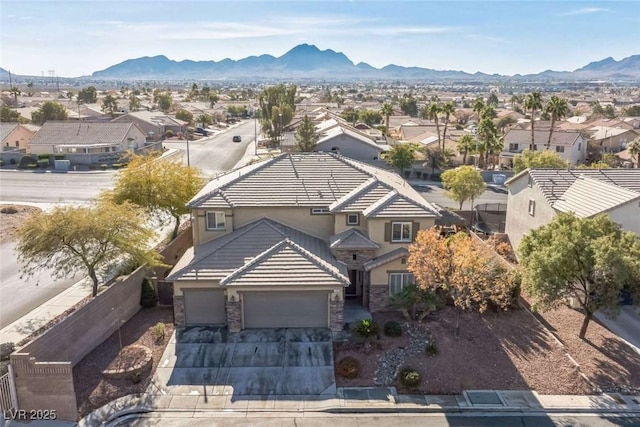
{"x": 158, "y": 331}
{"x": 10, "y": 210}
{"x": 348, "y": 367}
{"x": 58, "y": 156}
{"x": 43, "y": 156}
{"x": 136, "y": 377}
{"x": 43, "y": 163}
{"x": 168, "y": 133}
{"x": 27, "y": 162}
{"x": 431, "y": 348}
{"x": 409, "y": 377}
{"x": 12, "y": 161}
{"x": 392, "y": 329}
{"x": 6, "y": 348}
{"x": 103, "y": 166}
{"x": 148, "y": 296}
{"x": 365, "y": 328}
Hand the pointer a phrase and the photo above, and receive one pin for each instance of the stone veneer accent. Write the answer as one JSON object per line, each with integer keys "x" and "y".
{"x": 234, "y": 315}
{"x": 362, "y": 256}
{"x": 336, "y": 315}
{"x": 379, "y": 298}
{"x": 178, "y": 310}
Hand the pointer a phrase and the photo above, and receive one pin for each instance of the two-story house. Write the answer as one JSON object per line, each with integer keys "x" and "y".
{"x": 536, "y": 196}
{"x": 569, "y": 144}
{"x": 283, "y": 242}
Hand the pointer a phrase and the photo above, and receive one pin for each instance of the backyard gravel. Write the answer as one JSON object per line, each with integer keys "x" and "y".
{"x": 9, "y": 223}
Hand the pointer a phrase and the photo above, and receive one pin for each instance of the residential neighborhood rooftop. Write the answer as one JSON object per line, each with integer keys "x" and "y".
{"x": 541, "y": 136}
{"x": 82, "y": 133}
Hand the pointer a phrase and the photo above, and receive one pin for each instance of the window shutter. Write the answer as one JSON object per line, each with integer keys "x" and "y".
{"x": 387, "y": 231}
{"x": 414, "y": 230}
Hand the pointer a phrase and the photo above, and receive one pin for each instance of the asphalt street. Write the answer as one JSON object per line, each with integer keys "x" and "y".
{"x": 385, "y": 420}
{"x": 434, "y": 193}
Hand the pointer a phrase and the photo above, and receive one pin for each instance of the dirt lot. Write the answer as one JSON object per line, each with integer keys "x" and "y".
{"x": 504, "y": 351}
{"x": 10, "y": 222}
{"x": 92, "y": 391}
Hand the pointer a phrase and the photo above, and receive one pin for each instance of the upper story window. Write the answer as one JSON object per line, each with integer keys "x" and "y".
{"x": 401, "y": 231}
{"x": 320, "y": 211}
{"x": 215, "y": 220}
{"x": 399, "y": 281}
{"x": 559, "y": 149}
{"x": 513, "y": 147}
{"x": 353, "y": 219}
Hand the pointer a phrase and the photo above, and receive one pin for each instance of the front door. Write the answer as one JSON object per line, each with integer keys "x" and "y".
{"x": 351, "y": 290}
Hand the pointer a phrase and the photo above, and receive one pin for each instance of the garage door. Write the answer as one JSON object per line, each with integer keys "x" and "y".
{"x": 285, "y": 310}
{"x": 204, "y": 306}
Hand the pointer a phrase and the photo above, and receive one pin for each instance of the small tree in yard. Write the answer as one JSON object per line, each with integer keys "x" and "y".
{"x": 538, "y": 159}
{"x": 401, "y": 157}
{"x": 160, "y": 187}
{"x": 306, "y": 136}
{"x": 462, "y": 184}
{"x": 462, "y": 269}
{"x": 588, "y": 259}
{"x": 70, "y": 239}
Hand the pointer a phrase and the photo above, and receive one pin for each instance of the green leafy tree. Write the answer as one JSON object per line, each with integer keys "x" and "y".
{"x": 7, "y": 114}
{"x": 15, "y": 92}
{"x": 462, "y": 184}
{"x": 538, "y": 160}
{"x": 213, "y": 99}
{"x": 493, "y": 100}
{"x": 437, "y": 158}
{"x": 609, "y": 112}
{"x": 478, "y": 107}
{"x": 448, "y": 108}
{"x": 134, "y": 102}
{"x": 205, "y": 119}
{"x": 277, "y": 107}
{"x": 370, "y": 117}
{"x": 433, "y": 111}
{"x": 110, "y": 105}
{"x": 386, "y": 111}
{"x": 488, "y": 135}
{"x": 465, "y": 144}
{"x": 515, "y": 100}
{"x": 88, "y": 95}
{"x": 633, "y": 111}
{"x": 587, "y": 259}
{"x": 504, "y": 123}
{"x": 50, "y": 110}
{"x": 401, "y": 157}
{"x": 306, "y": 136}
{"x": 70, "y": 239}
{"x": 557, "y": 108}
{"x": 533, "y": 103}
{"x": 160, "y": 187}
{"x": 634, "y": 150}
{"x": 409, "y": 105}
{"x": 30, "y": 89}
{"x": 165, "y": 101}
{"x": 184, "y": 115}
{"x": 350, "y": 114}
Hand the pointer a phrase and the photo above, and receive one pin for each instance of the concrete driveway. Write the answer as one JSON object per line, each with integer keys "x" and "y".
{"x": 211, "y": 361}
{"x": 626, "y": 324}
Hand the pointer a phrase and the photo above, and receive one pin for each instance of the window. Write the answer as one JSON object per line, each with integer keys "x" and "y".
{"x": 580, "y": 146}
{"x": 398, "y": 281}
{"x": 559, "y": 149}
{"x": 215, "y": 221}
{"x": 319, "y": 211}
{"x": 401, "y": 231}
{"x": 532, "y": 207}
{"x": 513, "y": 147}
{"x": 353, "y": 219}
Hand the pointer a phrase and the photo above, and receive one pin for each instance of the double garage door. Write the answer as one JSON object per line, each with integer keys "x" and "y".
{"x": 286, "y": 310}
{"x": 204, "y": 307}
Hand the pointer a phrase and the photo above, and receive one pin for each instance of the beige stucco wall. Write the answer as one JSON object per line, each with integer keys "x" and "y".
{"x": 376, "y": 231}
{"x": 179, "y": 285}
{"x": 340, "y": 223}
{"x": 20, "y": 135}
{"x": 380, "y": 275}
{"x": 628, "y": 216}
{"x": 297, "y": 217}
{"x": 200, "y": 233}
{"x": 519, "y": 222}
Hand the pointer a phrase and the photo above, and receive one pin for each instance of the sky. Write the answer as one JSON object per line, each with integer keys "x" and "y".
{"x": 77, "y": 37}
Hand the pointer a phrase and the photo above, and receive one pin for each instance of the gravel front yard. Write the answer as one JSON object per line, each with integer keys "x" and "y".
{"x": 10, "y": 222}
{"x": 93, "y": 391}
{"x": 505, "y": 351}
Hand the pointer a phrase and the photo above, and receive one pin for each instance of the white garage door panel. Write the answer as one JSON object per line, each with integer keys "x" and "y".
{"x": 204, "y": 306}
{"x": 286, "y": 310}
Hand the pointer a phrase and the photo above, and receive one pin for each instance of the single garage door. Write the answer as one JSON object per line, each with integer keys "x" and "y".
{"x": 285, "y": 309}
{"x": 204, "y": 306}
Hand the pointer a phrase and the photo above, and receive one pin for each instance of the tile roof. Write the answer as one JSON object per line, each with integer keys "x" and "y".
{"x": 541, "y": 137}
{"x": 286, "y": 263}
{"x": 301, "y": 179}
{"x": 555, "y": 182}
{"x": 219, "y": 258}
{"x": 6, "y": 128}
{"x": 587, "y": 197}
{"x": 361, "y": 197}
{"x": 152, "y": 117}
{"x": 395, "y": 205}
{"x": 82, "y": 133}
{"x": 386, "y": 258}
{"x": 337, "y": 131}
{"x": 352, "y": 239}
{"x": 603, "y": 132}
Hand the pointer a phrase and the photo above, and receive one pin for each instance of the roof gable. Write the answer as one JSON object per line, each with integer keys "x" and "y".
{"x": 386, "y": 258}
{"x": 352, "y": 239}
{"x": 587, "y": 197}
{"x": 395, "y": 205}
{"x": 82, "y": 133}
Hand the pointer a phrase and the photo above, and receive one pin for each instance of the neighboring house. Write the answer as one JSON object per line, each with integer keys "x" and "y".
{"x": 17, "y": 136}
{"x": 87, "y": 138}
{"x": 350, "y": 143}
{"x": 570, "y": 145}
{"x": 283, "y": 242}
{"x": 537, "y": 195}
{"x": 154, "y": 124}
{"x": 612, "y": 139}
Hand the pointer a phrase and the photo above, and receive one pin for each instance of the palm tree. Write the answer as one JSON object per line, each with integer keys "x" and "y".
{"x": 432, "y": 111}
{"x": 557, "y": 108}
{"x": 15, "y": 92}
{"x": 533, "y": 103}
{"x": 478, "y": 107}
{"x": 487, "y": 133}
{"x": 515, "y": 99}
{"x": 386, "y": 111}
{"x": 634, "y": 150}
{"x": 448, "y": 109}
{"x": 465, "y": 144}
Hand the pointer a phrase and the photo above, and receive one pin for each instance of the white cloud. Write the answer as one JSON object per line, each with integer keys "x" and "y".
{"x": 585, "y": 11}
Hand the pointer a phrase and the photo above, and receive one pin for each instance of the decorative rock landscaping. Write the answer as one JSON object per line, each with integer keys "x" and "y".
{"x": 131, "y": 360}
{"x": 391, "y": 361}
